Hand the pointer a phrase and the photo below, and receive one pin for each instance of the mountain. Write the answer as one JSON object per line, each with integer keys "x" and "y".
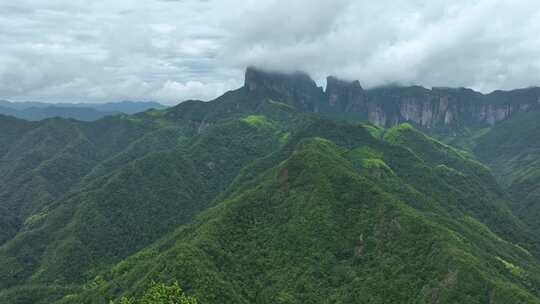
{"x": 36, "y": 111}
{"x": 444, "y": 109}
{"x": 80, "y": 178}
{"x": 500, "y": 128}
{"x": 264, "y": 195}
{"x": 127, "y": 107}
{"x": 511, "y": 149}
{"x": 341, "y": 215}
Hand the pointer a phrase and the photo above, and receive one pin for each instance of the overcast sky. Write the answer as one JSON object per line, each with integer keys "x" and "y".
{"x": 173, "y": 50}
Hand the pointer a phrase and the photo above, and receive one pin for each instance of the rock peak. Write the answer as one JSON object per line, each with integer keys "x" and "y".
{"x": 297, "y": 88}
{"x": 256, "y": 77}
{"x": 335, "y": 82}
{"x": 344, "y": 96}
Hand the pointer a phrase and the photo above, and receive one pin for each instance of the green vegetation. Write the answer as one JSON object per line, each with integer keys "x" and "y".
{"x": 515, "y": 270}
{"x": 315, "y": 225}
{"x": 247, "y": 200}
{"x": 161, "y": 294}
{"x": 510, "y": 149}
{"x": 258, "y": 120}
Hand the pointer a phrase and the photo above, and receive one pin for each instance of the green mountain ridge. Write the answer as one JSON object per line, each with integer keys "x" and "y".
{"x": 511, "y": 148}
{"x": 332, "y": 223}
{"x": 82, "y": 221}
{"x": 252, "y": 198}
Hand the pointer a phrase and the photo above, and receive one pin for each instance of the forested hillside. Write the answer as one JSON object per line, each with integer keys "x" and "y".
{"x": 253, "y": 198}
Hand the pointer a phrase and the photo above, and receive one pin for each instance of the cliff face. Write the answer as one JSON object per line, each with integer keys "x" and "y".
{"x": 446, "y": 107}
{"x": 297, "y": 88}
{"x": 343, "y": 96}
{"x": 436, "y": 108}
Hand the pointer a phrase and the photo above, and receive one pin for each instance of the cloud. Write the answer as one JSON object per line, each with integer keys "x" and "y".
{"x": 65, "y": 51}
{"x": 168, "y": 51}
{"x": 173, "y": 90}
{"x": 485, "y": 44}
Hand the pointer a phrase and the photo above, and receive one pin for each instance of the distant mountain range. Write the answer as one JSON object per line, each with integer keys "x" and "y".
{"x": 36, "y": 111}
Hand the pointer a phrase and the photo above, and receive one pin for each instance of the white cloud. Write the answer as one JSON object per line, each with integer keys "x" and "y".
{"x": 163, "y": 28}
{"x": 485, "y": 44}
{"x": 172, "y": 90}
{"x": 76, "y": 50}
{"x": 196, "y": 47}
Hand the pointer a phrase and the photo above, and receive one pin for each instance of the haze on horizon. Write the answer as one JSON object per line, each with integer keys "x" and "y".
{"x": 173, "y": 50}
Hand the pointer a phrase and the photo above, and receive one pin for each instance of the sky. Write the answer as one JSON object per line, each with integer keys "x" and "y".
{"x": 174, "y": 50}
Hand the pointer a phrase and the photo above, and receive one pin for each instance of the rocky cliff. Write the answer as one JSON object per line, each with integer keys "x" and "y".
{"x": 298, "y": 88}
{"x": 427, "y": 108}
{"x": 446, "y": 107}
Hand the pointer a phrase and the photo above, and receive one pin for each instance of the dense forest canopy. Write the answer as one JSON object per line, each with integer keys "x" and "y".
{"x": 277, "y": 192}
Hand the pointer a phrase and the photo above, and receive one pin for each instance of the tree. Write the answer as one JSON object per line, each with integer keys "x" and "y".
{"x": 160, "y": 293}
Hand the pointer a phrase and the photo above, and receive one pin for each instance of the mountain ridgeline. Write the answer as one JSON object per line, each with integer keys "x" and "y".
{"x": 36, "y": 111}
{"x": 440, "y": 108}
{"x": 277, "y": 192}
